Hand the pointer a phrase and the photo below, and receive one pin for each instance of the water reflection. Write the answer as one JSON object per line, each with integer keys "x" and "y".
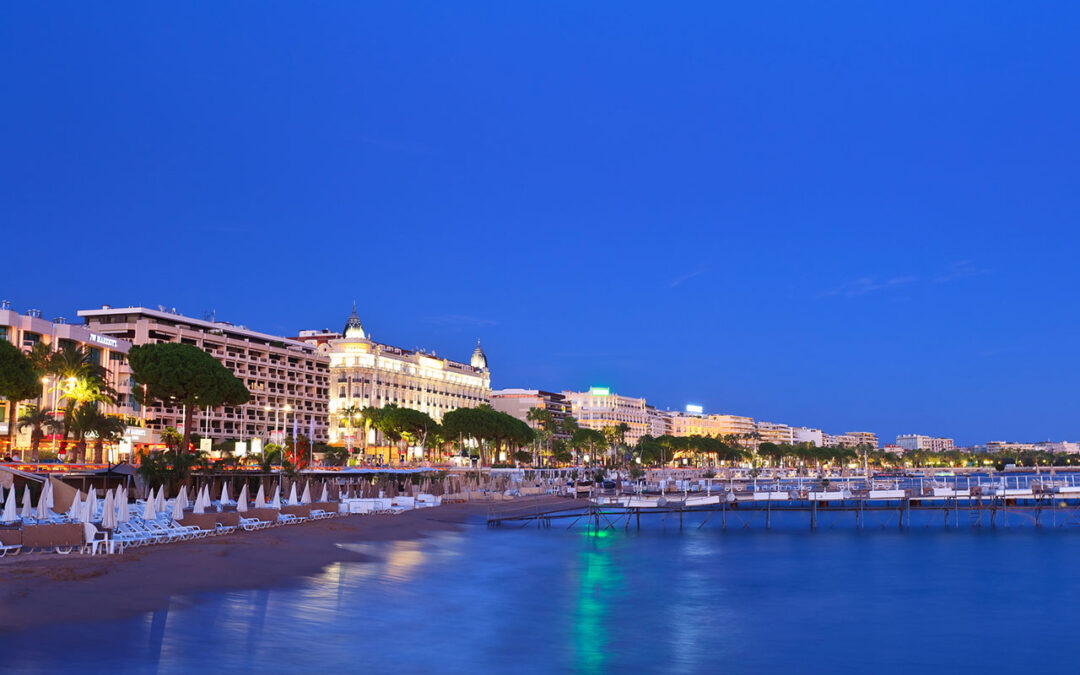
{"x": 599, "y": 581}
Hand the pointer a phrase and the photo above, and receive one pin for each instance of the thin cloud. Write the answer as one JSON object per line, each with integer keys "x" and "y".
{"x": 960, "y": 269}
{"x": 680, "y": 280}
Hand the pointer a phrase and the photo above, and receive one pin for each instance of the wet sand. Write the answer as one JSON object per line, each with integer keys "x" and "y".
{"x": 43, "y": 589}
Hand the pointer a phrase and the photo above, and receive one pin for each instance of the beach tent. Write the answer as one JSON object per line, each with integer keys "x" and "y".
{"x": 292, "y": 495}
{"x": 277, "y": 497}
{"x": 108, "y": 512}
{"x": 242, "y": 500}
{"x": 27, "y": 507}
{"x": 9, "y": 513}
{"x": 306, "y": 497}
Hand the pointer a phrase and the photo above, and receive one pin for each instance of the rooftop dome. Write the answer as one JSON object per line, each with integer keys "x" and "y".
{"x": 353, "y": 327}
{"x": 478, "y": 360}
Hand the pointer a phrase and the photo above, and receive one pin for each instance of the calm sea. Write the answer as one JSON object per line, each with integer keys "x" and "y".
{"x": 830, "y": 601}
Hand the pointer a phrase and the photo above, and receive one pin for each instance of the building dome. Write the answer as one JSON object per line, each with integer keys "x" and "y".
{"x": 353, "y": 327}
{"x": 478, "y": 360}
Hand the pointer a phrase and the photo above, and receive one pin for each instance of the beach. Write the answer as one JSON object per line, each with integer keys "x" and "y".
{"x": 44, "y": 589}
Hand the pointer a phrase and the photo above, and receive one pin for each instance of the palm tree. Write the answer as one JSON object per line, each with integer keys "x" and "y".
{"x": 80, "y": 422}
{"x": 106, "y": 428}
{"x": 347, "y": 415}
{"x": 38, "y": 419}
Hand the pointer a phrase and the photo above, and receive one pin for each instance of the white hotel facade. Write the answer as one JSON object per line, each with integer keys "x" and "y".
{"x": 366, "y": 373}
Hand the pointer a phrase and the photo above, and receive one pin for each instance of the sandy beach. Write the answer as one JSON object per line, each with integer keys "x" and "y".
{"x": 44, "y": 589}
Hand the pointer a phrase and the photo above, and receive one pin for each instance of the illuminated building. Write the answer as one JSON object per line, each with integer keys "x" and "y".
{"x": 366, "y": 373}
{"x": 288, "y": 379}
{"x": 850, "y": 439}
{"x": 769, "y": 432}
{"x": 518, "y": 402}
{"x": 599, "y": 408}
{"x": 917, "y": 442}
{"x": 806, "y": 435}
{"x": 27, "y": 330}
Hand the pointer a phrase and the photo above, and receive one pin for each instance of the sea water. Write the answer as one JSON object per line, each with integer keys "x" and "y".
{"x": 558, "y": 600}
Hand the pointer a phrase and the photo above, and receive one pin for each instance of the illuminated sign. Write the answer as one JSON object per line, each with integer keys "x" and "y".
{"x": 694, "y": 409}
{"x": 599, "y": 391}
{"x": 102, "y": 340}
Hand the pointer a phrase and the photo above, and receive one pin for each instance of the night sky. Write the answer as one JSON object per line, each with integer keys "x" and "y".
{"x": 853, "y": 216}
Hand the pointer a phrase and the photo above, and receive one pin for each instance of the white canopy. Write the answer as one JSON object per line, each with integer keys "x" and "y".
{"x": 242, "y": 500}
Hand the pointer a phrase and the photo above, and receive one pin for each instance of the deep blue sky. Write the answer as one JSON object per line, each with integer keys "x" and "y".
{"x": 845, "y": 215}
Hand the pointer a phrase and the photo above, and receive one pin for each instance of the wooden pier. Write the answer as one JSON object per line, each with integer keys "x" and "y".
{"x": 729, "y": 511}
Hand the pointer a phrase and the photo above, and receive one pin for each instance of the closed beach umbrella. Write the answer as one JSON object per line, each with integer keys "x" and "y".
{"x": 181, "y": 498}
{"x": 325, "y": 494}
{"x": 200, "y": 508}
{"x": 122, "y": 514}
{"x": 224, "y": 492}
{"x": 9, "y": 513}
{"x": 75, "y": 511}
{"x": 306, "y": 497}
{"x": 27, "y": 507}
{"x": 277, "y": 497}
{"x": 42, "y": 512}
{"x": 49, "y": 503}
{"x": 177, "y": 510}
{"x": 149, "y": 510}
{"x": 108, "y": 513}
{"x": 260, "y": 498}
{"x": 90, "y": 508}
{"x": 159, "y": 505}
{"x": 292, "y": 495}
{"x": 242, "y": 500}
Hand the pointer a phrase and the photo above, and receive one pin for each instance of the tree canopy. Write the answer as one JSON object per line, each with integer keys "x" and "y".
{"x": 18, "y": 382}
{"x": 180, "y": 374}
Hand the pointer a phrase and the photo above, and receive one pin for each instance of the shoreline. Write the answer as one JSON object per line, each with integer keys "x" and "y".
{"x": 46, "y": 589}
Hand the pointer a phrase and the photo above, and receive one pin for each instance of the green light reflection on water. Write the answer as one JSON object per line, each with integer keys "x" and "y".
{"x": 599, "y": 580}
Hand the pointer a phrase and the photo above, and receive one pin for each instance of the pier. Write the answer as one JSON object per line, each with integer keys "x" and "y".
{"x": 955, "y": 503}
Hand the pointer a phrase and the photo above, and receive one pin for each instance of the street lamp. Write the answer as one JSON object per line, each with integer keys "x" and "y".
{"x": 284, "y": 430}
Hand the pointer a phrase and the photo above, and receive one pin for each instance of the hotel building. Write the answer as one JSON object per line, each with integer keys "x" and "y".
{"x": 288, "y": 379}
{"x": 366, "y": 373}
{"x": 850, "y": 439}
{"x": 26, "y": 330}
{"x": 807, "y": 435}
{"x": 518, "y": 403}
{"x": 918, "y": 442}
{"x": 769, "y": 432}
{"x": 599, "y": 408}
